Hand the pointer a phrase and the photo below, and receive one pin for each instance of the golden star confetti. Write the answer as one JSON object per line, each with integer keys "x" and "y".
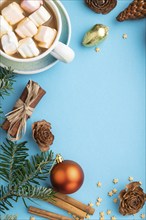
{"x": 114, "y": 190}
{"x": 87, "y": 216}
{"x": 108, "y": 212}
{"x": 75, "y": 217}
{"x": 115, "y": 200}
{"x": 99, "y": 199}
{"x": 110, "y": 193}
{"x": 97, "y": 49}
{"x": 125, "y": 36}
{"x": 115, "y": 181}
{"x": 97, "y": 203}
{"x": 142, "y": 216}
{"x": 101, "y": 214}
{"x": 113, "y": 218}
{"x": 101, "y": 218}
{"x": 99, "y": 184}
{"x": 32, "y": 218}
{"x": 130, "y": 178}
{"x": 91, "y": 204}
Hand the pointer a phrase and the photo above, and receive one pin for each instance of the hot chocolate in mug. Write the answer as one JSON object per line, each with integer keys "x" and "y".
{"x": 58, "y": 49}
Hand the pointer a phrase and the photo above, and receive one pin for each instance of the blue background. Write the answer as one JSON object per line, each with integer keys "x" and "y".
{"x": 96, "y": 106}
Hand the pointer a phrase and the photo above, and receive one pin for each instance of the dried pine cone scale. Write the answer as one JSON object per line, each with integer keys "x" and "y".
{"x": 136, "y": 10}
{"x": 101, "y": 6}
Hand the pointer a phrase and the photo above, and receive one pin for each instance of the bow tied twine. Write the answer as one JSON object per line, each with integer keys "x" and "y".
{"x": 18, "y": 116}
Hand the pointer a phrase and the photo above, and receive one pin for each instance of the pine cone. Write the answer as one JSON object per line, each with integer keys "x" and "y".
{"x": 132, "y": 199}
{"x": 42, "y": 134}
{"x": 101, "y": 6}
{"x": 136, "y": 10}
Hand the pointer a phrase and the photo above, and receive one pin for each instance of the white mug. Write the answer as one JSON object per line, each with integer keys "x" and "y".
{"x": 58, "y": 49}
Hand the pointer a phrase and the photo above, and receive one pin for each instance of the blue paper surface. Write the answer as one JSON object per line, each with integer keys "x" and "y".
{"x": 96, "y": 106}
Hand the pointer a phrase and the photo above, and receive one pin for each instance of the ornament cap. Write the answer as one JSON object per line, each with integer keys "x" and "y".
{"x": 59, "y": 158}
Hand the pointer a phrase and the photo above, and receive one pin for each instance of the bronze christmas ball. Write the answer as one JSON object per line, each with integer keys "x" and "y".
{"x": 67, "y": 177}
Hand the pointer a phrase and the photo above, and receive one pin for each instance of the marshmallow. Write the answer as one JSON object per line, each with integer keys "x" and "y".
{"x": 4, "y": 26}
{"x": 27, "y": 48}
{"x": 30, "y": 5}
{"x": 9, "y": 43}
{"x": 45, "y": 36}
{"x": 26, "y": 28}
{"x": 40, "y": 16}
{"x": 12, "y": 13}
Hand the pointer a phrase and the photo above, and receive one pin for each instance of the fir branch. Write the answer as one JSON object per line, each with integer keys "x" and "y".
{"x": 6, "y": 85}
{"x": 20, "y": 173}
{"x": 38, "y": 168}
{"x": 1, "y": 111}
{"x": 5, "y": 197}
{"x": 9, "y": 217}
{"x": 6, "y": 81}
{"x": 37, "y": 192}
{"x": 12, "y": 157}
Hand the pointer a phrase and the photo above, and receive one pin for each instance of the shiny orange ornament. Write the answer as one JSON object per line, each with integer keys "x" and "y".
{"x": 67, "y": 176}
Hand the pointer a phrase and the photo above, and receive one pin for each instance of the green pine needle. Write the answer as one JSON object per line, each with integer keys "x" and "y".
{"x": 23, "y": 175}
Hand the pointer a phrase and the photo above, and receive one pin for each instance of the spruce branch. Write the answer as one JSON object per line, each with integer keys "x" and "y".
{"x": 36, "y": 192}
{"x": 6, "y": 85}
{"x": 12, "y": 157}
{"x": 6, "y": 81}
{"x": 5, "y": 198}
{"x": 38, "y": 168}
{"x": 22, "y": 173}
{"x": 9, "y": 217}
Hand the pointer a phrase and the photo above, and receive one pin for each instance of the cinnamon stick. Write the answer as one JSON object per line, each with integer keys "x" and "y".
{"x": 47, "y": 214}
{"x": 86, "y": 208}
{"x": 68, "y": 207}
{"x": 23, "y": 97}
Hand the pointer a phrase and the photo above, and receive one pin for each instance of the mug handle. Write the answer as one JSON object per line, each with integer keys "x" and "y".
{"x": 63, "y": 53}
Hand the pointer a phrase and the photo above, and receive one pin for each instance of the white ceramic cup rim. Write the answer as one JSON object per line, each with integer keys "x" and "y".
{"x": 48, "y": 51}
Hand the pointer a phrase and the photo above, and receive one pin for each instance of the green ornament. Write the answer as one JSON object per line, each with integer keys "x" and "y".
{"x": 95, "y": 35}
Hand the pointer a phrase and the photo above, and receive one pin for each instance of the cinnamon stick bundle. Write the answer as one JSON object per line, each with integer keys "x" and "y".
{"x": 86, "y": 208}
{"x": 71, "y": 205}
{"x": 47, "y": 214}
{"x": 65, "y": 202}
{"x": 24, "y": 96}
{"x": 68, "y": 207}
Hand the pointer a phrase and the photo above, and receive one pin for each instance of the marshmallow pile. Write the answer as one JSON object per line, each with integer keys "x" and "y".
{"x": 25, "y": 35}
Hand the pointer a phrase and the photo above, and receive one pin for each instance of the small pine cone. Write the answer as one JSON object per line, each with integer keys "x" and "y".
{"x": 41, "y": 132}
{"x": 101, "y": 6}
{"x": 136, "y": 10}
{"x": 132, "y": 199}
